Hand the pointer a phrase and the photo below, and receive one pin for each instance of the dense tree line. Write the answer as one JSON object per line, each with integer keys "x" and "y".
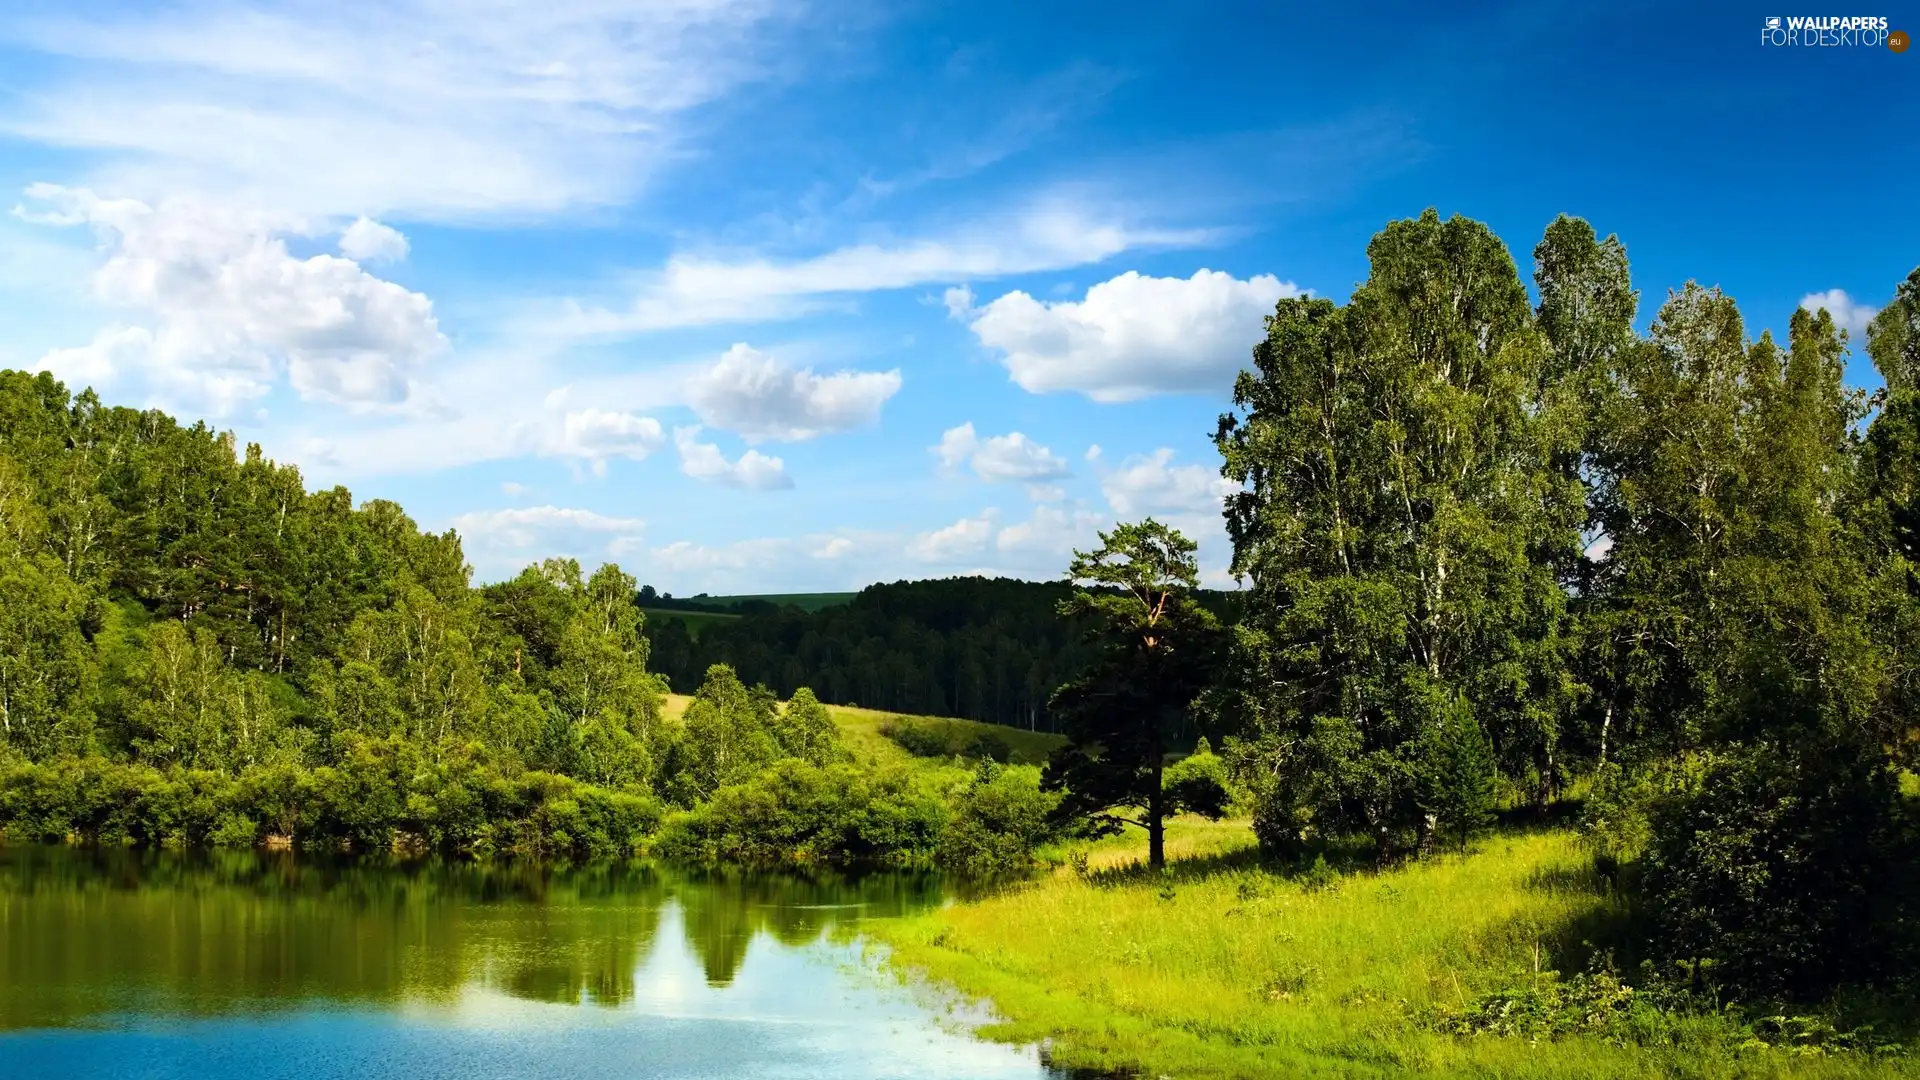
{"x": 992, "y": 650}
{"x": 196, "y": 649}
{"x": 1492, "y": 542}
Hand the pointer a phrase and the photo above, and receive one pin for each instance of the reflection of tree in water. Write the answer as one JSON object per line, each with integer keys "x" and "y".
{"x": 85, "y": 932}
{"x": 725, "y": 909}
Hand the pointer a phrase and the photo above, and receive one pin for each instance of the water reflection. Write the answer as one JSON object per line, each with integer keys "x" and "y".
{"x": 84, "y": 933}
{"x": 226, "y": 966}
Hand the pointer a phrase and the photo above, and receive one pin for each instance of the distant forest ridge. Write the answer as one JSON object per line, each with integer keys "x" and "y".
{"x": 987, "y": 649}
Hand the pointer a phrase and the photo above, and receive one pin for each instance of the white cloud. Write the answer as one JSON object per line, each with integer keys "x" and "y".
{"x": 964, "y": 538}
{"x": 959, "y": 302}
{"x": 594, "y": 436}
{"x": 113, "y": 350}
{"x": 705, "y": 462}
{"x": 685, "y": 557}
{"x": 231, "y": 308}
{"x": 1849, "y": 314}
{"x": 548, "y": 528}
{"x": 438, "y": 108}
{"x": 1007, "y": 458}
{"x": 695, "y": 290}
{"x": 835, "y": 548}
{"x": 1093, "y": 452}
{"x": 756, "y": 397}
{"x": 366, "y": 240}
{"x": 1051, "y": 531}
{"x": 1133, "y": 336}
{"x": 1151, "y": 484}
{"x": 1046, "y": 493}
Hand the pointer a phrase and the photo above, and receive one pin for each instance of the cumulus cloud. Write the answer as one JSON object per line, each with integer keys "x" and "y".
{"x": 956, "y": 542}
{"x": 1005, "y": 458}
{"x": 754, "y": 396}
{"x": 1849, "y": 314}
{"x": 590, "y": 435}
{"x": 230, "y": 308}
{"x": 439, "y": 108}
{"x": 1148, "y": 484}
{"x": 1132, "y": 336}
{"x": 705, "y": 462}
{"x": 367, "y": 240}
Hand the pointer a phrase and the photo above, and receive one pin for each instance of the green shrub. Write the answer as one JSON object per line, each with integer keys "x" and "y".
{"x": 1774, "y": 872}
{"x": 946, "y": 739}
{"x": 999, "y": 818}
{"x": 797, "y": 813}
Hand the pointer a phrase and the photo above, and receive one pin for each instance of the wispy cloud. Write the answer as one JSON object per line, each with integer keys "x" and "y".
{"x": 420, "y": 108}
{"x": 1052, "y": 234}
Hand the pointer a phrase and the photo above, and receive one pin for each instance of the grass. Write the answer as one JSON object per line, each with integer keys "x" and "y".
{"x": 860, "y": 730}
{"x": 808, "y": 602}
{"x": 1229, "y": 968}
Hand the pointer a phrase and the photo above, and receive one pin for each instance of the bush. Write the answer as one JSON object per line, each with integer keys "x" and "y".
{"x": 382, "y": 795}
{"x": 1774, "y": 872}
{"x": 999, "y": 818}
{"x": 797, "y": 813}
{"x": 946, "y": 739}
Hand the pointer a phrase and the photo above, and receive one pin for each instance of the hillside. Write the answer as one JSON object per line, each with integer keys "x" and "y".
{"x": 860, "y": 730}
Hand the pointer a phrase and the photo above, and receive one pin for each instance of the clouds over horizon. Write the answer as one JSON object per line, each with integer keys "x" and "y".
{"x": 501, "y": 542}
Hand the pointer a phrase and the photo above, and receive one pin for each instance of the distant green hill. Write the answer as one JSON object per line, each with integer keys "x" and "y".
{"x": 809, "y": 602}
{"x": 695, "y": 621}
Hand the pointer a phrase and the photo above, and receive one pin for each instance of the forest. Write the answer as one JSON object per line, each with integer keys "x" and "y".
{"x": 992, "y": 650}
{"x": 195, "y": 649}
{"x": 1507, "y": 558}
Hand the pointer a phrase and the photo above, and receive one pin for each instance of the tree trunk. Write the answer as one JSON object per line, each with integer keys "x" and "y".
{"x": 1156, "y": 821}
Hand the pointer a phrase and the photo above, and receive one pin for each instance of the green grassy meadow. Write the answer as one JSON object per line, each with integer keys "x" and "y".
{"x": 1224, "y": 968}
{"x": 860, "y": 730}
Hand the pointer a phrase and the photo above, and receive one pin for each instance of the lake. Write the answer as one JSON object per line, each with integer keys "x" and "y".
{"x": 244, "y": 966}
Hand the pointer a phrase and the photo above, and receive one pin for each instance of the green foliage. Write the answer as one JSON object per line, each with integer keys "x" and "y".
{"x": 1771, "y": 872}
{"x": 1156, "y": 650}
{"x": 932, "y": 738}
{"x": 794, "y": 812}
{"x": 46, "y": 670}
{"x": 1407, "y": 517}
{"x": 380, "y": 797}
{"x": 999, "y": 819}
{"x": 1199, "y": 783}
{"x": 987, "y": 650}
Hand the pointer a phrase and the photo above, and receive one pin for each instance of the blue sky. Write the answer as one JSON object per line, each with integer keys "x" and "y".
{"x": 755, "y": 296}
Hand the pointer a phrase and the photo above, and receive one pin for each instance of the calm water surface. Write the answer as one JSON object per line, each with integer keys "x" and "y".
{"x": 255, "y": 967}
